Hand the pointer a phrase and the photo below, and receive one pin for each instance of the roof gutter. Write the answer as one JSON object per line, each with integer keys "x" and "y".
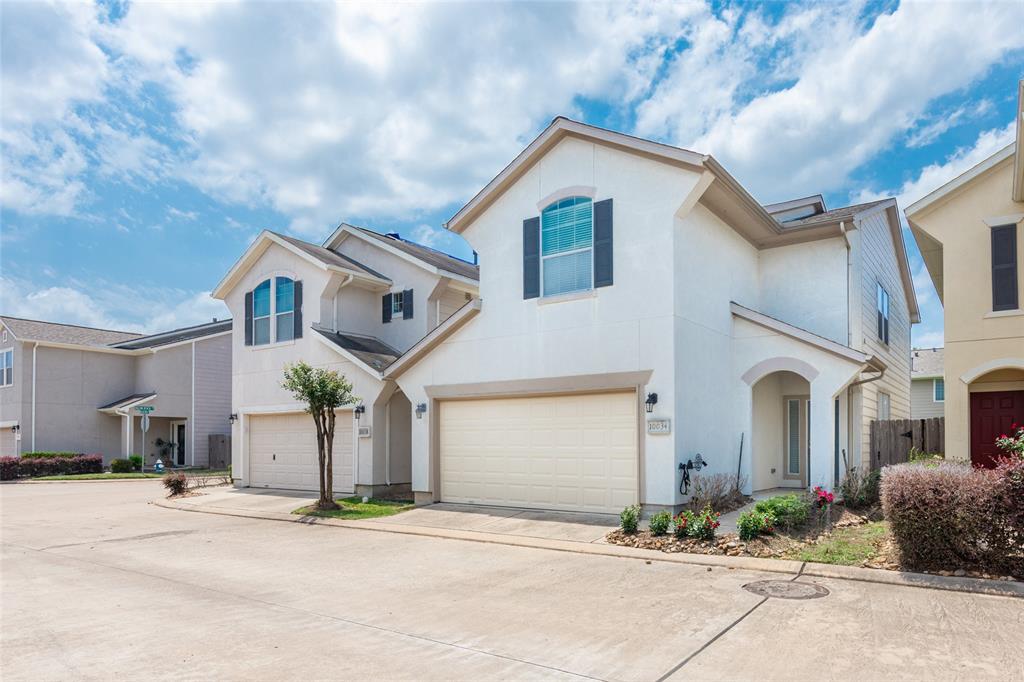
{"x": 872, "y": 364}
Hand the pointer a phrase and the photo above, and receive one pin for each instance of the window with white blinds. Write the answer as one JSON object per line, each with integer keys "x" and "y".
{"x": 567, "y": 239}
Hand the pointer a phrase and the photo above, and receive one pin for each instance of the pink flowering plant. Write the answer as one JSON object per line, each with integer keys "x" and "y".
{"x": 1013, "y": 443}
{"x": 822, "y": 498}
{"x": 698, "y": 525}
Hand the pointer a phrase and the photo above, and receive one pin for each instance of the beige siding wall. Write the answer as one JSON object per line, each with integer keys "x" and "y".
{"x": 922, "y": 400}
{"x": 15, "y": 400}
{"x": 212, "y": 393}
{"x": 879, "y": 266}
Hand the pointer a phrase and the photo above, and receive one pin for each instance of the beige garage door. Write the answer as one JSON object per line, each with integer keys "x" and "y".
{"x": 283, "y": 454}
{"x": 574, "y": 453}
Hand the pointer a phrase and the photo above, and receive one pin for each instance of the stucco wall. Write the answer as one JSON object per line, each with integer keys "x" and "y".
{"x": 974, "y": 336}
{"x": 922, "y": 400}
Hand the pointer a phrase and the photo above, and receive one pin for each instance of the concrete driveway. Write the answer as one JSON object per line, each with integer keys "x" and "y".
{"x": 96, "y": 583}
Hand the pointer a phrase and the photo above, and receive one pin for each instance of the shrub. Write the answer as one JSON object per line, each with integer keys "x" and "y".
{"x": 136, "y": 461}
{"x": 789, "y": 511}
{"x": 859, "y": 489}
{"x": 1012, "y": 444}
{"x": 8, "y": 468}
{"x": 698, "y": 525}
{"x": 660, "y": 523}
{"x": 49, "y": 455}
{"x": 919, "y": 456}
{"x": 56, "y": 466}
{"x": 177, "y": 483}
{"x": 950, "y": 515}
{"x": 718, "y": 491}
{"x": 753, "y": 523}
{"x": 630, "y": 518}
{"x": 120, "y": 466}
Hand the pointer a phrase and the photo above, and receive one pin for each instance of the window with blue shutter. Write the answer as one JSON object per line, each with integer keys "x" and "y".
{"x": 567, "y": 241}
{"x": 261, "y": 313}
{"x": 284, "y": 308}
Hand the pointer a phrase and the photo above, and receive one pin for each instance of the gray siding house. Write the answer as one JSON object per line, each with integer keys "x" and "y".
{"x": 927, "y": 385}
{"x": 66, "y": 387}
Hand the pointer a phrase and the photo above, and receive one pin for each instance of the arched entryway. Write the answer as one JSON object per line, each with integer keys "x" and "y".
{"x": 780, "y": 431}
{"x": 996, "y": 401}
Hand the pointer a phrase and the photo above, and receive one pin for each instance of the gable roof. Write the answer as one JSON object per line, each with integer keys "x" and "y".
{"x": 836, "y": 214}
{"x": 368, "y": 349}
{"x": 438, "y": 262}
{"x": 926, "y": 363}
{"x": 55, "y": 332}
{"x": 197, "y": 331}
{"x": 329, "y": 257}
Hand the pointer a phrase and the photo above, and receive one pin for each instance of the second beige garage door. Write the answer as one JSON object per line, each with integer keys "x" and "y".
{"x": 570, "y": 452}
{"x": 283, "y": 453}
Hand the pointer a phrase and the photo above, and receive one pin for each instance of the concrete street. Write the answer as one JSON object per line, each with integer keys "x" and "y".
{"x": 97, "y": 584}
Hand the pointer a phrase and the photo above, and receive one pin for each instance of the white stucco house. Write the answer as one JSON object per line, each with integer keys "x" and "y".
{"x": 636, "y": 308}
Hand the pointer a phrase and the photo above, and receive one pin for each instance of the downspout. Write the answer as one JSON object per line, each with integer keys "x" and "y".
{"x": 387, "y": 443}
{"x": 849, "y": 272}
{"x": 34, "y": 349}
{"x": 849, "y": 406}
{"x": 192, "y": 418}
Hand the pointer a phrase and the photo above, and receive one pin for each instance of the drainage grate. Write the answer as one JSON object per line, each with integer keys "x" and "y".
{"x": 785, "y": 589}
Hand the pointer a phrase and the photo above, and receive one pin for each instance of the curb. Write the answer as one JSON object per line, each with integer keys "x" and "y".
{"x": 795, "y": 568}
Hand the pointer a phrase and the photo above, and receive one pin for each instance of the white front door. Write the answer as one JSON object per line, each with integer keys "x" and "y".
{"x": 567, "y": 452}
{"x": 283, "y": 452}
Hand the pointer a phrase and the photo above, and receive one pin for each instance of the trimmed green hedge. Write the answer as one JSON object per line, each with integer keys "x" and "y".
{"x": 50, "y": 454}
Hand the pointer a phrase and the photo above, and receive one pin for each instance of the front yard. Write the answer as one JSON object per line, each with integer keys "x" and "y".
{"x": 354, "y": 509}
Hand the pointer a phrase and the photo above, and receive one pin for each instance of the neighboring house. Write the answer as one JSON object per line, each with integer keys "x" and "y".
{"x": 66, "y": 387}
{"x": 927, "y": 383}
{"x": 971, "y": 235}
{"x": 354, "y": 304}
{"x": 637, "y": 309}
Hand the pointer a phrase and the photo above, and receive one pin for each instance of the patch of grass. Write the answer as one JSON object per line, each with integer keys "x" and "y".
{"x": 353, "y": 508}
{"x": 96, "y": 477}
{"x": 849, "y": 546}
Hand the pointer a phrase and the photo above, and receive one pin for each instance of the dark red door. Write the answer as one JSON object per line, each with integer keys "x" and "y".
{"x": 991, "y": 416}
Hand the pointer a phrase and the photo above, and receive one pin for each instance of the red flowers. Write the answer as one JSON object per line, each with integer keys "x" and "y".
{"x": 823, "y": 498}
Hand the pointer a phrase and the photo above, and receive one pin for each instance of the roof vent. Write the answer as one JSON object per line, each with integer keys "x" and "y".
{"x": 393, "y": 235}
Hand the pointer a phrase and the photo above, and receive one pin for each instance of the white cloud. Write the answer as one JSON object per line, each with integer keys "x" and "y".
{"x": 855, "y": 90}
{"x": 930, "y": 132}
{"x": 108, "y": 305}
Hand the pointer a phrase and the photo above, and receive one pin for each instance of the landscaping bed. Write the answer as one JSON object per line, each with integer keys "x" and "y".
{"x": 353, "y": 508}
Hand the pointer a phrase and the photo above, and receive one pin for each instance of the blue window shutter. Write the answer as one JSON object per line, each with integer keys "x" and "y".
{"x": 603, "y": 260}
{"x": 531, "y": 258}
{"x": 407, "y": 304}
{"x": 248, "y": 318}
{"x": 1004, "y": 268}
{"x": 297, "y": 290}
{"x": 386, "y": 308}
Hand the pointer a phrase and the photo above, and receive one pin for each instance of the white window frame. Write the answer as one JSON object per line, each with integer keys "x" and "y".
{"x": 397, "y": 303}
{"x": 935, "y": 385}
{"x": 3, "y": 367}
{"x": 274, "y": 341}
{"x": 273, "y": 305}
{"x": 882, "y": 306}
{"x": 590, "y": 286}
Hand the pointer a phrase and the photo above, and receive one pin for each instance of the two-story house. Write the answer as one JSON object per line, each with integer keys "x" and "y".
{"x": 355, "y": 304}
{"x": 68, "y": 387}
{"x": 970, "y": 233}
{"x": 639, "y": 313}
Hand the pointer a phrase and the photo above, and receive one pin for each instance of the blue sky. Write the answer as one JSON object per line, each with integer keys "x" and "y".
{"x": 145, "y": 145}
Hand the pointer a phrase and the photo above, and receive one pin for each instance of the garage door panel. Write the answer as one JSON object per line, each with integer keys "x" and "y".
{"x": 283, "y": 452}
{"x": 575, "y": 452}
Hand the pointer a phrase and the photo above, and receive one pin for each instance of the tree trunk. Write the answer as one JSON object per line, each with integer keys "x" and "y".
{"x": 329, "y": 436}
{"x": 326, "y": 500}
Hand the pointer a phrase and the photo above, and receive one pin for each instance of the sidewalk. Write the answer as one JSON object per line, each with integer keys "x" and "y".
{"x": 558, "y": 531}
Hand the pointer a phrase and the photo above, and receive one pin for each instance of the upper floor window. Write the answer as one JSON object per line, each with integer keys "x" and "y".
{"x": 567, "y": 254}
{"x": 882, "y": 305}
{"x": 273, "y": 311}
{"x": 939, "y": 390}
{"x": 1004, "y": 268}
{"x": 7, "y": 367}
{"x": 396, "y": 302}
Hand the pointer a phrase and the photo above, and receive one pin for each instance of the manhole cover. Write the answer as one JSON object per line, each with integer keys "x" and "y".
{"x": 784, "y": 589}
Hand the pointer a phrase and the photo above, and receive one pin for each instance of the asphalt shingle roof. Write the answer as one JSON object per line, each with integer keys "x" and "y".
{"x": 127, "y": 400}
{"x": 438, "y": 259}
{"x": 325, "y": 255}
{"x": 926, "y": 362}
{"x": 175, "y": 335}
{"x": 833, "y": 215}
{"x": 369, "y": 349}
{"x": 37, "y": 330}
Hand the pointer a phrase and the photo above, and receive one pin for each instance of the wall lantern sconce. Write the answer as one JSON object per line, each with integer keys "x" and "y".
{"x": 420, "y": 409}
{"x": 652, "y": 400}
{"x": 360, "y": 409}
{"x": 16, "y": 428}
{"x": 233, "y": 418}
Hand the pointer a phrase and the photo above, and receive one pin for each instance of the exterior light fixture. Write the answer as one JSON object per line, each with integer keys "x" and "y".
{"x": 359, "y": 410}
{"x": 233, "y": 418}
{"x": 652, "y": 400}
{"x": 420, "y": 409}
{"x": 16, "y": 428}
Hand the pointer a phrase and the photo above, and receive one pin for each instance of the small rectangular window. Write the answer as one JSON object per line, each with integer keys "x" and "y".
{"x": 1004, "y": 268}
{"x": 396, "y": 302}
{"x": 793, "y": 437}
{"x": 882, "y": 306}
{"x": 939, "y": 390}
{"x": 883, "y": 405}
{"x": 7, "y": 367}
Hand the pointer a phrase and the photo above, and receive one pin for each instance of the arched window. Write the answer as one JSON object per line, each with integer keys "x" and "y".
{"x": 261, "y": 313}
{"x": 567, "y": 240}
{"x": 284, "y": 308}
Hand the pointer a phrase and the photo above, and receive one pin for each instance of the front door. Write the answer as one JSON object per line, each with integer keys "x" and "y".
{"x": 797, "y": 441}
{"x": 178, "y": 439}
{"x": 992, "y": 414}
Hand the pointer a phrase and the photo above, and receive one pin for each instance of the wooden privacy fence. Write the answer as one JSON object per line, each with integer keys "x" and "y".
{"x": 892, "y": 439}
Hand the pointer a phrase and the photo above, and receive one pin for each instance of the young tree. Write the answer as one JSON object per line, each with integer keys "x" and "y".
{"x": 322, "y": 390}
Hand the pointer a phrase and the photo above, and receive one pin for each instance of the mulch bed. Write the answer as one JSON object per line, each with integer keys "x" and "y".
{"x": 789, "y": 544}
